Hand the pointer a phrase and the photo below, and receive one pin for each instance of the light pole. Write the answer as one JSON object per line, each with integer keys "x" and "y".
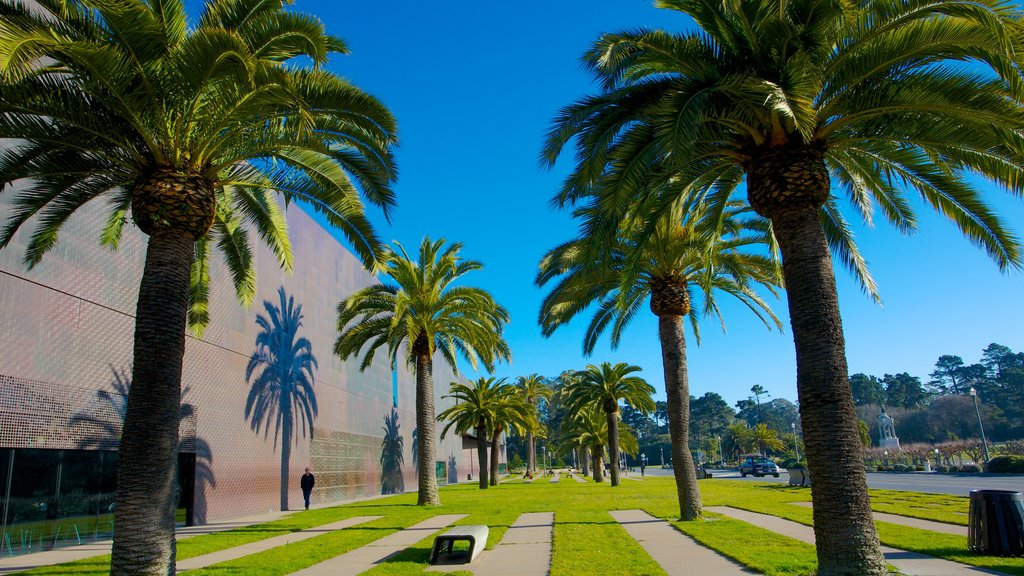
{"x": 984, "y": 443}
{"x": 662, "y": 450}
{"x": 721, "y": 455}
{"x": 886, "y": 458}
{"x": 796, "y": 445}
{"x": 937, "y": 461}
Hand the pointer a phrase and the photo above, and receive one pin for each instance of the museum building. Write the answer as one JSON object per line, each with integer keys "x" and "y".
{"x": 65, "y": 366}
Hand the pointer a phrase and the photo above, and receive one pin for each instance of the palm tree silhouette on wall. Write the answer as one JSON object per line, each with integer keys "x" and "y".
{"x": 392, "y": 456}
{"x": 280, "y": 372}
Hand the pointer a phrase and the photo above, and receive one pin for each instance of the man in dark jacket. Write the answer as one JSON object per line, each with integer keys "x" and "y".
{"x": 307, "y": 485}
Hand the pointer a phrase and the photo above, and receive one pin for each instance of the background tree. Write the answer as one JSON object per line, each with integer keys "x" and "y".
{"x": 475, "y": 410}
{"x": 642, "y": 424}
{"x": 425, "y": 311}
{"x": 710, "y": 415}
{"x": 904, "y": 390}
{"x": 533, "y": 388}
{"x": 778, "y": 414}
{"x": 392, "y": 456}
{"x": 946, "y": 375}
{"x": 791, "y": 96}
{"x": 280, "y": 375}
{"x": 511, "y": 412}
{"x": 867, "y": 390}
{"x": 766, "y": 439}
{"x": 605, "y": 386}
{"x": 758, "y": 391}
{"x": 661, "y": 416}
{"x": 190, "y": 128}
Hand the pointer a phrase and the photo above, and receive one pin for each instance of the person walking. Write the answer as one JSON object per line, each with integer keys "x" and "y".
{"x": 307, "y": 483}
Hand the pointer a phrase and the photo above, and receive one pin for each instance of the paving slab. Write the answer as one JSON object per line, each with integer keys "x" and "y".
{"x": 909, "y": 563}
{"x": 943, "y": 527}
{"x": 579, "y": 478}
{"x": 525, "y": 550}
{"x": 675, "y": 552}
{"x": 268, "y": 543}
{"x": 556, "y": 477}
{"x": 362, "y": 559}
{"x": 60, "y": 555}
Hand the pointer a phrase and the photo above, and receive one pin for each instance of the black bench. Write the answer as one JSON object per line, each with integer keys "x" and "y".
{"x": 475, "y": 534}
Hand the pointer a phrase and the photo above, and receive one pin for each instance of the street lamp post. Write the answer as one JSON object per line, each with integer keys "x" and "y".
{"x": 662, "y": 450}
{"x": 984, "y": 442}
{"x": 721, "y": 455}
{"x": 937, "y": 461}
{"x": 796, "y": 445}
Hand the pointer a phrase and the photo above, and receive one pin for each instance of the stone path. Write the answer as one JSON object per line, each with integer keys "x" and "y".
{"x": 362, "y": 559}
{"x": 268, "y": 543}
{"x": 525, "y": 550}
{"x": 909, "y": 563}
{"x": 675, "y": 552}
{"x": 943, "y": 527}
{"x": 556, "y": 477}
{"x": 579, "y": 478}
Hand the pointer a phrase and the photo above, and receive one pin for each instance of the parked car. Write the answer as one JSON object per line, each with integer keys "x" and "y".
{"x": 758, "y": 466}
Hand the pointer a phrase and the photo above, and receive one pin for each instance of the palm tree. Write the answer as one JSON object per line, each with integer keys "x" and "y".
{"x": 423, "y": 313}
{"x": 764, "y": 438}
{"x": 189, "y": 128}
{"x": 475, "y": 410}
{"x": 690, "y": 250}
{"x": 588, "y": 430}
{"x": 533, "y": 388}
{"x": 791, "y": 97}
{"x": 738, "y": 438}
{"x": 605, "y": 386}
{"x": 511, "y": 412}
{"x": 280, "y": 375}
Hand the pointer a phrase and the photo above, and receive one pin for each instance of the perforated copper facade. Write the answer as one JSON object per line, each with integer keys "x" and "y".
{"x": 66, "y": 346}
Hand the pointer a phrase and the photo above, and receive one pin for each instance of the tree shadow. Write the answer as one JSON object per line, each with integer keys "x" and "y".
{"x": 280, "y": 373}
{"x": 392, "y": 456}
{"x": 453, "y": 470}
{"x": 101, "y": 424}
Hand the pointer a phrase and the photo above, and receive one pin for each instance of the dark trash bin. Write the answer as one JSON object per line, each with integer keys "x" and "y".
{"x": 996, "y": 522}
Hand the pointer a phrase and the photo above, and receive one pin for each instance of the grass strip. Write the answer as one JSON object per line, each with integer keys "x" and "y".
{"x": 762, "y": 550}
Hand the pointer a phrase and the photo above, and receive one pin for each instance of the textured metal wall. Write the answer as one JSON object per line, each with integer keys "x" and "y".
{"x": 66, "y": 343}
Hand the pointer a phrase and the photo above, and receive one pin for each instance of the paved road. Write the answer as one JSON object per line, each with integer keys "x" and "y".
{"x": 958, "y": 484}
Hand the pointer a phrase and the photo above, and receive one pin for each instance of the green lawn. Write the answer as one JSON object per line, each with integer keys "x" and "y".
{"x": 586, "y": 539}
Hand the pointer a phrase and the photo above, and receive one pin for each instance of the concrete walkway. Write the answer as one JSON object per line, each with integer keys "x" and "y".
{"x": 60, "y": 555}
{"x": 525, "y": 550}
{"x": 675, "y": 552}
{"x": 579, "y": 478}
{"x": 556, "y": 477}
{"x": 268, "y": 543}
{"x": 362, "y": 559}
{"x": 909, "y": 563}
{"x": 955, "y": 529}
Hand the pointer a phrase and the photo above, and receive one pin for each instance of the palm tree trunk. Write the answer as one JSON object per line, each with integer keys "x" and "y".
{"x": 789, "y": 186}
{"x": 531, "y": 453}
{"x": 427, "y": 495}
{"x": 598, "y": 469}
{"x": 613, "y": 446}
{"x": 286, "y": 455}
{"x": 584, "y": 461}
{"x": 677, "y": 389}
{"x": 145, "y": 500}
{"x": 495, "y": 455}
{"x": 481, "y": 454}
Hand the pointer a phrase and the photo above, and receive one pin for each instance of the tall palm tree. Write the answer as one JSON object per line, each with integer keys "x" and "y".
{"x": 588, "y": 430}
{"x": 190, "y": 128}
{"x": 512, "y": 412}
{"x": 791, "y": 97}
{"x": 605, "y": 386}
{"x": 476, "y": 410}
{"x": 533, "y": 388}
{"x": 424, "y": 312}
{"x": 691, "y": 250}
{"x": 280, "y": 375}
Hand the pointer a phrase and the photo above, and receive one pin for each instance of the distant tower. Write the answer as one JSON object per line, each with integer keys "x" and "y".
{"x": 887, "y": 432}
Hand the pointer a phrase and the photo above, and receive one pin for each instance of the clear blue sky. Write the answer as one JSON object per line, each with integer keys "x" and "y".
{"x": 474, "y": 86}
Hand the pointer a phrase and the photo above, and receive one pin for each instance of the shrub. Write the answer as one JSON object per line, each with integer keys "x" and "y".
{"x": 970, "y": 468}
{"x": 943, "y": 469}
{"x": 1007, "y": 465}
{"x": 793, "y": 464}
{"x": 919, "y": 468}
